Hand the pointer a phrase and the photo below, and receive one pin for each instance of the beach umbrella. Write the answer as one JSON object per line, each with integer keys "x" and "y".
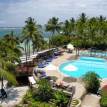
{"x": 70, "y": 46}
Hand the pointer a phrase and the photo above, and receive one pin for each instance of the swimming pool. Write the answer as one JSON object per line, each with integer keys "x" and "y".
{"x": 81, "y": 66}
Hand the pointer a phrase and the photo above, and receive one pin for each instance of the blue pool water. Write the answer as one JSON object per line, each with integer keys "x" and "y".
{"x": 81, "y": 66}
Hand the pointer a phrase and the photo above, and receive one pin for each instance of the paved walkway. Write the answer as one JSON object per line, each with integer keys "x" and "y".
{"x": 91, "y": 100}
{"x": 15, "y": 96}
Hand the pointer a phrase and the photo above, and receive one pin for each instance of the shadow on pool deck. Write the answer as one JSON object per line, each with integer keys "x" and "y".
{"x": 14, "y": 96}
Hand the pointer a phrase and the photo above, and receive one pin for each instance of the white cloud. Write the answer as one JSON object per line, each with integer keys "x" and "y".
{"x": 15, "y": 13}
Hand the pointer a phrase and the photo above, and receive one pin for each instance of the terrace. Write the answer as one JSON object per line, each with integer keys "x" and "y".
{"x": 52, "y": 70}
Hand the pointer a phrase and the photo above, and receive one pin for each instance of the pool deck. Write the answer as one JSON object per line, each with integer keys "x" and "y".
{"x": 61, "y": 59}
{"x": 58, "y": 61}
{"x": 80, "y": 90}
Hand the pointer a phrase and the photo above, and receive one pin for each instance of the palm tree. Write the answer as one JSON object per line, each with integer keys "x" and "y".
{"x": 5, "y": 73}
{"x": 72, "y": 23}
{"x": 81, "y": 24}
{"x": 81, "y": 30}
{"x": 13, "y": 43}
{"x": 7, "y": 58}
{"x": 66, "y": 27}
{"x": 53, "y": 26}
{"x": 31, "y": 33}
{"x": 69, "y": 27}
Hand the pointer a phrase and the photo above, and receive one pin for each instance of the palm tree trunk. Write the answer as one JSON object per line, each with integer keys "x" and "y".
{"x": 49, "y": 42}
{"x": 76, "y": 51}
{"x": 26, "y": 52}
{"x": 2, "y": 84}
{"x": 29, "y": 48}
{"x": 33, "y": 50}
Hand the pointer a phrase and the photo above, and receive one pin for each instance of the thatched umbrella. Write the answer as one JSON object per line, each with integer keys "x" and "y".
{"x": 70, "y": 47}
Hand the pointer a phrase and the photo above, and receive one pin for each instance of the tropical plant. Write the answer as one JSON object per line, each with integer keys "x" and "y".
{"x": 69, "y": 27}
{"x": 60, "y": 99}
{"x": 53, "y": 26}
{"x": 44, "y": 90}
{"x": 31, "y": 101}
{"x": 31, "y": 34}
{"x": 8, "y": 57}
{"x": 59, "y": 40}
{"x": 13, "y": 44}
{"x": 103, "y": 93}
{"x": 92, "y": 82}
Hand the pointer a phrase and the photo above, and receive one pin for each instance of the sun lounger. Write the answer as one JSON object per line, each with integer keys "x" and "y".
{"x": 41, "y": 65}
{"x": 53, "y": 56}
{"x": 31, "y": 80}
{"x": 45, "y": 63}
{"x": 49, "y": 60}
{"x": 43, "y": 75}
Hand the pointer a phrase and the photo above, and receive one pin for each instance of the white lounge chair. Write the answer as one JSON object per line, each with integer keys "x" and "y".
{"x": 31, "y": 80}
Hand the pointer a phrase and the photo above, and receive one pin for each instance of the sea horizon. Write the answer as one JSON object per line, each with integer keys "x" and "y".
{"x": 18, "y": 31}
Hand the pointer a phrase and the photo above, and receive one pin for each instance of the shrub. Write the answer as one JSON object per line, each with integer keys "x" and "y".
{"x": 44, "y": 91}
{"x": 92, "y": 82}
{"x": 103, "y": 101}
{"x": 29, "y": 100}
{"x": 60, "y": 99}
{"x": 44, "y": 96}
{"x": 28, "y": 97}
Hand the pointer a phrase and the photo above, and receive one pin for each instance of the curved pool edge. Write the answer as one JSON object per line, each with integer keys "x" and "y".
{"x": 102, "y": 72}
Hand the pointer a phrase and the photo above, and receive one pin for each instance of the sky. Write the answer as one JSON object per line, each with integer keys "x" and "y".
{"x": 14, "y": 12}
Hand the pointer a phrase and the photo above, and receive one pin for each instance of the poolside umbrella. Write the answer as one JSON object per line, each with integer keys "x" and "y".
{"x": 70, "y": 47}
{"x": 69, "y": 79}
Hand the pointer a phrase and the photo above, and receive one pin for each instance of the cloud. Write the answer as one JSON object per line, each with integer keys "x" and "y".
{"x": 14, "y": 12}
{"x": 2, "y": 22}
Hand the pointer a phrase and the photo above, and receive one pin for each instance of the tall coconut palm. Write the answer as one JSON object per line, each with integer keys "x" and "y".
{"x": 53, "y": 26}
{"x": 81, "y": 24}
{"x": 66, "y": 28}
{"x": 72, "y": 23}
{"x": 30, "y": 33}
{"x": 69, "y": 27}
{"x": 92, "y": 28}
{"x": 81, "y": 30}
{"x": 101, "y": 25}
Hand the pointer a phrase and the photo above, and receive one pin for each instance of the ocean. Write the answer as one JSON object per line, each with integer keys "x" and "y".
{"x": 18, "y": 31}
{"x": 8, "y": 30}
